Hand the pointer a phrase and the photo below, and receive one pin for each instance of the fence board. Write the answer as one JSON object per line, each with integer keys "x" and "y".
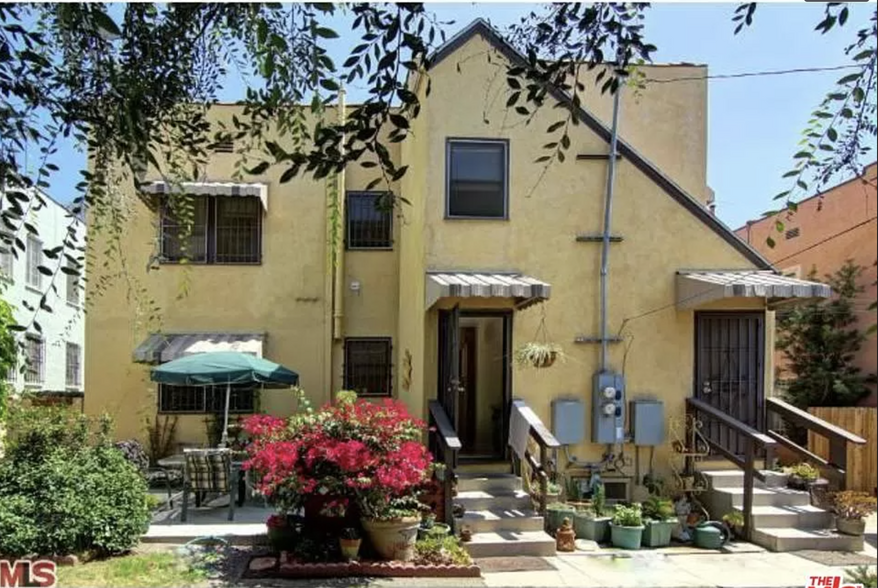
{"x": 862, "y": 466}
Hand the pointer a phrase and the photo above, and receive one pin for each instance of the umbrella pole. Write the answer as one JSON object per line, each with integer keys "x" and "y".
{"x": 224, "y": 440}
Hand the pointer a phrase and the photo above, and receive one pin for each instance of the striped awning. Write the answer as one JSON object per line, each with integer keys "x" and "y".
{"x": 209, "y": 189}
{"x": 524, "y": 289}
{"x": 695, "y": 288}
{"x": 162, "y": 347}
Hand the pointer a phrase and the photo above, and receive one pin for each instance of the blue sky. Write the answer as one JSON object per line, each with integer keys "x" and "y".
{"x": 754, "y": 123}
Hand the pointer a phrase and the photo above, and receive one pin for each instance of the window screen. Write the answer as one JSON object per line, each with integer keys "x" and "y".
{"x": 477, "y": 179}
{"x": 34, "y": 261}
{"x": 367, "y": 366}
{"x": 369, "y": 221}
{"x": 237, "y": 230}
{"x": 181, "y": 240}
{"x": 224, "y": 230}
{"x": 205, "y": 399}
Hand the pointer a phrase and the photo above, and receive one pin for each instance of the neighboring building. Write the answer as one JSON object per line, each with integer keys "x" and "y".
{"x": 53, "y": 354}
{"x": 429, "y": 301}
{"x": 825, "y": 231}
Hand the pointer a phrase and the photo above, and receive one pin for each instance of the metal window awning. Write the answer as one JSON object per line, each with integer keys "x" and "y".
{"x": 162, "y": 347}
{"x": 209, "y": 189}
{"x": 697, "y": 287}
{"x": 524, "y": 289}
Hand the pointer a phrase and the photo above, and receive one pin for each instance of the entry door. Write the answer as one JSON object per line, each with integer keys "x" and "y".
{"x": 449, "y": 361}
{"x": 729, "y": 366}
{"x": 466, "y": 407}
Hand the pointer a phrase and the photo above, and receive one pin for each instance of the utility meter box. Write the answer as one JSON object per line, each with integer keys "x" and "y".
{"x": 647, "y": 421}
{"x": 568, "y": 420}
{"x": 608, "y": 408}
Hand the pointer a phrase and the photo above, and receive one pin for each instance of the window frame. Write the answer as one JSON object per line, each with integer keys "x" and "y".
{"x": 204, "y": 403}
{"x": 449, "y": 143}
{"x": 72, "y": 285}
{"x": 77, "y": 385}
{"x": 211, "y": 220}
{"x": 41, "y": 369}
{"x": 32, "y": 242}
{"x": 390, "y": 226}
{"x": 346, "y": 375}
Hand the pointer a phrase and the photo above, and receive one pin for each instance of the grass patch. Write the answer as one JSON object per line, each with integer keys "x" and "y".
{"x": 142, "y": 569}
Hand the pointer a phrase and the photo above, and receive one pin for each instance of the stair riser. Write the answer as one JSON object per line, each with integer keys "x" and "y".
{"x": 809, "y": 520}
{"x": 489, "y": 502}
{"x": 499, "y": 525}
{"x": 492, "y": 485}
{"x": 541, "y": 549}
{"x": 737, "y": 481}
{"x": 772, "y": 500}
{"x": 837, "y": 543}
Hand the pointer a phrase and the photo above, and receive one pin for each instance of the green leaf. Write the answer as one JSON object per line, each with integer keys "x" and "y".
{"x": 258, "y": 168}
{"x": 513, "y": 98}
{"x": 555, "y": 126}
{"x": 849, "y": 78}
{"x": 325, "y": 33}
{"x": 288, "y": 174}
{"x": 329, "y": 84}
{"x": 832, "y": 134}
{"x": 770, "y": 242}
{"x": 107, "y": 24}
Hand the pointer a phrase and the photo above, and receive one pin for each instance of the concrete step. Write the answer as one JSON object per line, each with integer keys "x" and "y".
{"x": 490, "y": 544}
{"x": 475, "y": 500}
{"x": 793, "y": 539}
{"x": 766, "y": 496}
{"x": 482, "y": 467}
{"x": 802, "y": 517}
{"x": 499, "y": 519}
{"x": 489, "y": 482}
{"x": 735, "y": 479}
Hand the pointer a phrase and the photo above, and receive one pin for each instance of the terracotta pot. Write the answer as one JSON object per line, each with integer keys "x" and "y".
{"x": 854, "y": 527}
{"x": 393, "y": 539}
{"x": 350, "y": 548}
{"x": 548, "y": 361}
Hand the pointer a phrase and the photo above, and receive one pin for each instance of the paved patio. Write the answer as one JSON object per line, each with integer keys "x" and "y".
{"x": 247, "y": 528}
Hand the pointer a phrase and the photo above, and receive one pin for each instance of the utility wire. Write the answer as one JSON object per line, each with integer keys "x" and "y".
{"x": 753, "y": 74}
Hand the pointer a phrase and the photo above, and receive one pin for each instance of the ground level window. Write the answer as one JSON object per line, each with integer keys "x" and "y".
{"x": 35, "y": 357}
{"x": 367, "y": 366}
{"x": 205, "y": 399}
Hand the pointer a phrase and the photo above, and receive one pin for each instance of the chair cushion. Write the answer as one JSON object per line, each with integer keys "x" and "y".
{"x": 209, "y": 470}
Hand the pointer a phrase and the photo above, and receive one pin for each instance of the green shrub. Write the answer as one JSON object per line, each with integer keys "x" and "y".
{"x": 71, "y": 495}
{"x": 658, "y": 508}
{"x": 863, "y": 575}
{"x": 628, "y": 516}
{"x": 441, "y": 551}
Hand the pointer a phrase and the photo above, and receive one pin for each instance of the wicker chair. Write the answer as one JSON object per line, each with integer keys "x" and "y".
{"x": 208, "y": 471}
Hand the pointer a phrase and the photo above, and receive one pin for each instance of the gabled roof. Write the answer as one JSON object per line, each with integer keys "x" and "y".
{"x": 481, "y": 27}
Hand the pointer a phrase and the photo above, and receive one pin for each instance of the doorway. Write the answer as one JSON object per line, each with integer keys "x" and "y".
{"x": 474, "y": 379}
{"x": 729, "y": 371}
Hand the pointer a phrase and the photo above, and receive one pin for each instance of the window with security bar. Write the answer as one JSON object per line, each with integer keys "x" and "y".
{"x": 34, "y": 261}
{"x": 35, "y": 358}
{"x": 222, "y": 230}
{"x": 7, "y": 259}
{"x": 205, "y": 399}
{"x": 369, "y": 220}
{"x": 74, "y": 366}
{"x": 73, "y": 293}
{"x": 367, "y": 366}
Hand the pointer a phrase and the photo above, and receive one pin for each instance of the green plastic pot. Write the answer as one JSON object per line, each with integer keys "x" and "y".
{"x": 556, "y": 515}
{"x": 710, "y": 535}
{"x": 658, "y": 533}
{"x": 626, "y": 537}
{"x": 594, "y": 529}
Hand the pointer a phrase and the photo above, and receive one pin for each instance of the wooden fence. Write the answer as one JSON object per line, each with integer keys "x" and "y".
{"x": 862, "y": 469}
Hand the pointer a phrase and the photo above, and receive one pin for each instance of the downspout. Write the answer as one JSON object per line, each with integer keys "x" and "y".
{"x": 337, "y": 249}
{"x": 608, "y": 217}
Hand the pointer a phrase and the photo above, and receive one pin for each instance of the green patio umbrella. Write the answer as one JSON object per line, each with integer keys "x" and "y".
{"x": 223, "y": 367}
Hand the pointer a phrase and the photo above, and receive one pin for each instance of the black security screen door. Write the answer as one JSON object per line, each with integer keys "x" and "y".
{"x": 729, "y": 371}
{"x": 449, "y": 361}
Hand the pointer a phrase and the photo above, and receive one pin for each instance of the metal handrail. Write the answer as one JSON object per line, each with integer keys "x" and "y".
{"x": 444, "y": 445}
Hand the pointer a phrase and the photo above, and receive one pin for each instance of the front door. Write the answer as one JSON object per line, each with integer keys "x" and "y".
{"x": 466, "y": 407}
{"x": 729, "y": 371}
{"x": 449, "y": 361}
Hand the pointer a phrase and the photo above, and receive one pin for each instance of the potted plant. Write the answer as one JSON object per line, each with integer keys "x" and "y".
{"x": 556, "y": 512}
{"x": 801, "y": 475}
{"x": 626, "y": 528}
{"x": 659, "y": 521}
{"x": 349, "y": 542}
{"x": 734, "y": 520}
{"x": 851, "y": 509}
{"x": 573, "y": 494}
{"x": 594, "y": 523}
{"x": 536, "y": 354}
{"x": 392, "y": 527}
{"x": 281, "y": 534}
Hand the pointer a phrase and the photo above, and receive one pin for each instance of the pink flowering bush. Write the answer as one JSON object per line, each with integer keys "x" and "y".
{"x": 353, "y": 451}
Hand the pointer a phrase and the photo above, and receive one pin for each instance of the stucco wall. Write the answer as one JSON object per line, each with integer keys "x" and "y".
{"x": 838, "y": 225}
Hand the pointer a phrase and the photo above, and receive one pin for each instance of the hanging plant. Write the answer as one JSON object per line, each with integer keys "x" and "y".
{"x": 541, "y": 352}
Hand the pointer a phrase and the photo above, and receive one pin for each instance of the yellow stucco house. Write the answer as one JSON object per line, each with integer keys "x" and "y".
{"x": 431, "y": 300}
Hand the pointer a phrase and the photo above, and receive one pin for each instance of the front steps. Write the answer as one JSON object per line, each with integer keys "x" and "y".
{"x": 783, "y": 519}
{"x": 501, "y": 516}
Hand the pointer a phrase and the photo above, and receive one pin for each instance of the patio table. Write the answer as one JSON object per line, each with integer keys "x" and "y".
{"x": 178, "y": 461}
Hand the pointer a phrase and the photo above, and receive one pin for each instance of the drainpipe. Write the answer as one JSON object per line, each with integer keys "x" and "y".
{"x": 338, "y": 283}
{"x": 608, "y": 216}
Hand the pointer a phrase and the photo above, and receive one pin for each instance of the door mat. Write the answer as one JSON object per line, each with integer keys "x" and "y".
{"x": 835, "y": 558}
{"x": 271, "y": 566}
{"x": 522, "y": 563}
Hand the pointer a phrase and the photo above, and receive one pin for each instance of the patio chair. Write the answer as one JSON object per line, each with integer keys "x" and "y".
{"x": 208, "y": 471}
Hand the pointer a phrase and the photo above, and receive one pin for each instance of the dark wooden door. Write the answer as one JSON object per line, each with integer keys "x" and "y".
{"x": 729, "y": 371}
{"x": 449, "y": 361}
{"x": 466, "y": 408}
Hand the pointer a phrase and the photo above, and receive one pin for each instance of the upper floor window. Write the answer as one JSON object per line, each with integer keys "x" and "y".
{"x": 7, "y": 260}
{"x": 73, "y": 293}
{"x": 367, "y": 366}
{"x": 74, "y": 366}
{"x": 369, "y": 221}
{"x": 34, "y": 261}
{"x": 35, "y": 357}
{"x": 477, "y": 179}
{"x": 221, "y": 229}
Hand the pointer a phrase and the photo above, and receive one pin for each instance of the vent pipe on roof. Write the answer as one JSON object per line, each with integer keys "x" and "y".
{"x": 608, "y": 217}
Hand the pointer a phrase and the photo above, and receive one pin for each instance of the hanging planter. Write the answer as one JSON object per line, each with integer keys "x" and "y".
{"x": 540, "y": 352}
